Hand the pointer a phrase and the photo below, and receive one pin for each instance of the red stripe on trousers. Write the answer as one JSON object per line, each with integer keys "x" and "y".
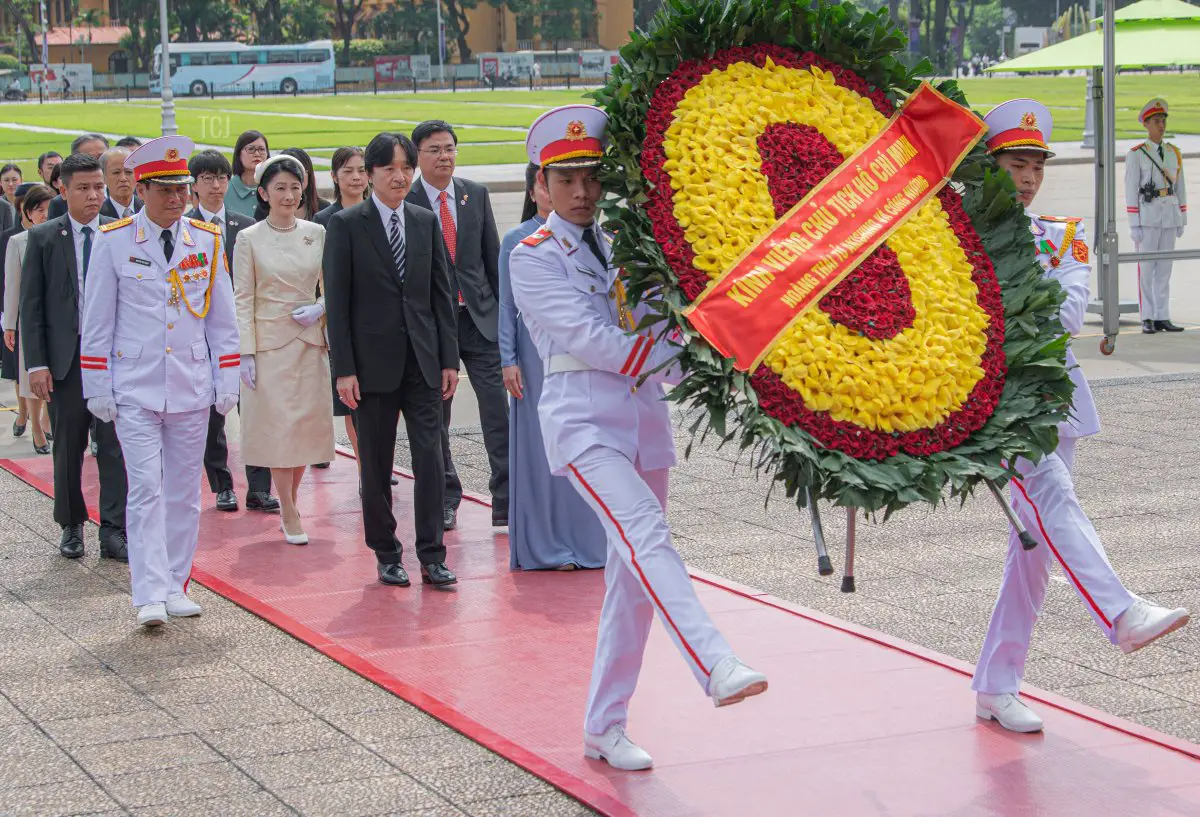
{"x": 638, "y": 568}
{"x": 637, "y": 344}
{"x": 1079, "y": 585}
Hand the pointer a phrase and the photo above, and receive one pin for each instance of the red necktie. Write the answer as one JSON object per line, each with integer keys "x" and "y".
{"x": 449, "y": 233}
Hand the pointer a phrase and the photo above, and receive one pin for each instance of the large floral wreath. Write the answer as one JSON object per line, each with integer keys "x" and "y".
{"x": 937, "y": 361}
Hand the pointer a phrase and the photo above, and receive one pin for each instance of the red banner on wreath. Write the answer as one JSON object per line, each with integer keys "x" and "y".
{"x": 835, "y": 227}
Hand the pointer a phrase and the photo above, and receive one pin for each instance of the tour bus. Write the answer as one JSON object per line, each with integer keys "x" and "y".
{"x": 197, "y": 68}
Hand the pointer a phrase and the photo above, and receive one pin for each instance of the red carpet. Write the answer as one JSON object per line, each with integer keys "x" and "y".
{"x": 855, "y": 723}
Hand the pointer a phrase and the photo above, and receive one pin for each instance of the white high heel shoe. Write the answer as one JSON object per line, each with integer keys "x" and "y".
{"x": 293, "y": 538}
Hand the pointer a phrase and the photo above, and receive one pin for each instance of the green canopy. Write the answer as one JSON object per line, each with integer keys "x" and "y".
{"x": 1157, "y": 10}
{"x": 1140, "y": 44}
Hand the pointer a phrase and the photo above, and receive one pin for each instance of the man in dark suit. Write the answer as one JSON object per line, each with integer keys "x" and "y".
{"x": 392, "y": 343}
{"x": 56, "y": 265}
{"x": 212, "y": 172}
{"x": 468, "y": 228}
{"x": 93, "y": 144}
{"x": 8, "y": 216}
{"x": 121, "y": 201}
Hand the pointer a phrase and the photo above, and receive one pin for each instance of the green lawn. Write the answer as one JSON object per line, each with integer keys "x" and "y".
{"x": 498, "y": 118}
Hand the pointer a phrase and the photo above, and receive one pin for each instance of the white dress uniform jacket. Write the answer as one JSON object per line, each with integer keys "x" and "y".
{"x": 1144, "y": 166}
{"x": 1062, "y": 250}
{"x": 572, "y": 304}
{"x": 158, "y": 355}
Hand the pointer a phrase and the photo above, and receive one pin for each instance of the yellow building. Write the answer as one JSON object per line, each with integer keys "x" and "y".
{"x": 98, "y": 44}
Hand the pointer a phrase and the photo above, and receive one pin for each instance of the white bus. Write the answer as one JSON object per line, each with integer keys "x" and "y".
{"x": 198, "y": 68}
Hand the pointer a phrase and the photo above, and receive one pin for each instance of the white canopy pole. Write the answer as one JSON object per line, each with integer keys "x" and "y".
{"x": 1111, "y": 304}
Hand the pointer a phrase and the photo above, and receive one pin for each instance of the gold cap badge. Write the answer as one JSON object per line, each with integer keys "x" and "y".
{"x": 1028, "y": 122}
{"x": 576, "y": 130}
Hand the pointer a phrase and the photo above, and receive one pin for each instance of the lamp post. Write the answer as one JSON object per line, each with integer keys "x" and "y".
{"x": 164, "y": 72}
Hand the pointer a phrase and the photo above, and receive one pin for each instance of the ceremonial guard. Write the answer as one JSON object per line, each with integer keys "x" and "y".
{"x": 1044, "y": 495}
{"x": 159, "y": 348}
{"x": 610, "y": 434}
{"x": 1156, "y": 203}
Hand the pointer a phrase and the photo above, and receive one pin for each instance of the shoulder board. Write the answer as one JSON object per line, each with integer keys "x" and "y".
{"x": 205, "y": 226}
{"x": 1138, "y": 146}
{"x": 536, "y": 238}
{"x": 114, "y": 225}
{"x": 1062, "y": 219}
{"x": 1178, "y": 155}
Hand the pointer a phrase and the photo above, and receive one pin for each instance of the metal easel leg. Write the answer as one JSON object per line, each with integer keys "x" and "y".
{"x": 824, "y": 566}
{"x": 1027, "y": 540}
{"x": 848, "y": 574}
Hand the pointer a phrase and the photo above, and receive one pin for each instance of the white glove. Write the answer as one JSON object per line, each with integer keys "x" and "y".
{"x": 248, "y": 370}
{"x": 225, "y": 403}
{"x": 306, "y": 316}
{"x": 1179, "y": 232}
{"x": 105, "y": 408}
{"x": 1136, "y": 234}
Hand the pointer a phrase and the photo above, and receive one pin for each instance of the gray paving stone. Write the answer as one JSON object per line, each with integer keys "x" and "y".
{"x": 179, "y": 785}
{"x": 85, "y": 698}
{"x": 262, "y": 707}
{"x": 28, "y": 757}
{"x": 1123, "y": 698}
{"x": 150, "y": 754}
{"x": 316, "y": 766}
{"x": 277, "y": 738}
{"x": 71, "y": 733}
{"x": 462, "y": 785}
{"x": 369, "y": 796}
{"x": 257, "y": 804}
{"x": 532, "y": 805}
{"x": 374, "y": 728}
{"x": 55, "y": 800}
{"x": 443, "y": 750}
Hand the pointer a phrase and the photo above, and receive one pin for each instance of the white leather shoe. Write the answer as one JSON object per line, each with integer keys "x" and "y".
{"x": 617, "y": 750}
{"x": 152, "y": 615}
{"x": 732, "y": 681}
{"x": 293, "y": 538}
{"x": 1144, "y": 622}
{"x": 179, "y": 605}
{"x": 1009, "y": 711}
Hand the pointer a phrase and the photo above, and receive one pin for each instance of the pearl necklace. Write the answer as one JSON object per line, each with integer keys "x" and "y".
{"x": 295, "y": 224}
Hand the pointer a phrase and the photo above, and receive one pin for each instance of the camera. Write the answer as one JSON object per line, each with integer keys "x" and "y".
{"x": 1150, "y": 192}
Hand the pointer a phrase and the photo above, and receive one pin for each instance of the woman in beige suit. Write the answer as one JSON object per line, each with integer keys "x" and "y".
{"x": 287, "y": 414}
{"x": 33, "y": 204}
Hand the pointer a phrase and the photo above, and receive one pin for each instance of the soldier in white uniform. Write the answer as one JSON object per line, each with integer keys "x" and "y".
{"x": 159, "y": 348}
{"x": 1156, "y": 203}
{"x": 1044, "y": 496}
{"x": 610, "y": 434}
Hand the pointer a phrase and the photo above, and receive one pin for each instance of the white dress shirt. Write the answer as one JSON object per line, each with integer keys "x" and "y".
{"x": 77, "y": 235}
{"x": 123, "y": 210}
{"x": 434, "y": 194}
{"x": 385, "y": 213}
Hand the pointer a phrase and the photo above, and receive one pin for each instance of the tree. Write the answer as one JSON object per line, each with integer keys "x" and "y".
{"x": 199, "y": 20}
{"x": 345, "y": 15}
{"x": 644, "y": 11}
{"x": 20, "y": 11}
{"x": 90, "y": 19}
{"x": 304, "y": 21}
{"x": 142, "y": 18}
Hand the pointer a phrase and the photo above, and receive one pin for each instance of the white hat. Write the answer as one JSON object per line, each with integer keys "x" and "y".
{"x": 1019, "y": 124}
{"x": 276, "y": 159}
{"x": 1154, "y": 106}
{"x": 162, "y": 160}
{"x": 570, "y": 136}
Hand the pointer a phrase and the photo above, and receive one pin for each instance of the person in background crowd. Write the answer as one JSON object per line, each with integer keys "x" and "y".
{"x": 33, "y": 202}
{"x": 212, "y": 172}
{"x": 287, "y": 421}
{"x": 1156, "y": 203}
{"x": 92, "y": 144}
{"x": 51, "y": 315}
{"x": 392, "y": 340}
{"x": 131, "y": 142}
{"x": 249, "y": 150}
{"x": 351, "y": 186}
{"x": 550, "y": 526}
{"x": 160, "y": 399}
{"x": 10, "y": 179}
{"x": 464, "y": 215}
{"x": 46, "y": 163}
{"x": 56, "y": 180}
{"x": 121, "y": 201}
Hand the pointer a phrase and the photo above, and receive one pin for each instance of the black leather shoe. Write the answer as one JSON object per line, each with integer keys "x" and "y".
{"x": 449, "y": 518}
{"x": 18, "y": 429}
{"x": 1167, "y": 326}
{"x": 1148, "y": 328}
{"x": 499, "y": 518}
{"x": 394, "y": 575}
{"x": 227, "y": 501}
{"x": 320, "y": 465}
{"x": 41, "y": 449}
{"x": 438, "y": 575}
{"x": 261, "y": 501}
{"x": 95, "y": 449}
{"x": 71, "y": 543}
{"x": 115, "y": 546}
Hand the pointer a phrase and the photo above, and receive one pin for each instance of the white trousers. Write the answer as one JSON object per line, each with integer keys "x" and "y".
{"x": 164, "y": 460}
{"x": 1154, "y": 277}
{"x": 1045, "y": 500}
{"x": 644, "y": 576}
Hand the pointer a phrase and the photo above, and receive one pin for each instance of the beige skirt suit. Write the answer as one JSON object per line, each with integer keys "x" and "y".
{"x": 14, "y": 256}
{"x": 287, "y": 419}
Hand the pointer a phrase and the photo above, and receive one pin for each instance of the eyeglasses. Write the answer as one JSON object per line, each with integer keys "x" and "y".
{"x": 213, "y": 178}
{"x": 255, "y": 149}
{"x": 447, "y": 151}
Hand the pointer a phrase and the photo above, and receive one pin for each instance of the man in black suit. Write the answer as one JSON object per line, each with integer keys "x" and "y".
{"x": 121, "y": 201}
{"x": 212, "y": 172}
{"x": 392, "y": 343}
{"x": 93, "y": 144}
{"x": 56, "y": 264}
{"x": 468, "y": 228}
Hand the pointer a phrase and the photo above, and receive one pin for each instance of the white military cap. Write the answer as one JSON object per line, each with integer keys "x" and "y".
{"x": 570, "y": 136}
{"x": 1156, "y": 105}
{"x": 1019, "y": 124}
{"x": 162, "y": 160}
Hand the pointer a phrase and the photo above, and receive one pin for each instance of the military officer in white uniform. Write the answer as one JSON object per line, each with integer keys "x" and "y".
{"x": 159, "y": 348}
{"x": 610, "y": 434}
{"x": 1156, "y": 203}
{"x": 1044, "y": 495}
